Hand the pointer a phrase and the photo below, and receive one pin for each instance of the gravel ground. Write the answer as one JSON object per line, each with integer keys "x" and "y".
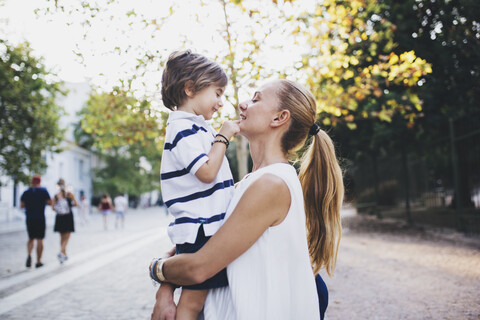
{"x": 388, "y": 270}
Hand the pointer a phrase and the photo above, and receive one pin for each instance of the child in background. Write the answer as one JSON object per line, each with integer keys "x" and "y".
{"x": 196, "y": 180}
{"x": 121, "y": 205}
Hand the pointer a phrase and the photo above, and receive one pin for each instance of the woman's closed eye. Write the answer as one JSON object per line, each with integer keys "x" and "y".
{"x": 256, "y": 97}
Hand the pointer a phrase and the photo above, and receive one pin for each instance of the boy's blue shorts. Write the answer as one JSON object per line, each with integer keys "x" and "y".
{"x": 217, "y": 281}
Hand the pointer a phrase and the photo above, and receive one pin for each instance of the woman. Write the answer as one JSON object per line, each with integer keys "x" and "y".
{"x": 62, "y": 205}
{"x": 264, "y": 242}
{"x": 105, "y": 207}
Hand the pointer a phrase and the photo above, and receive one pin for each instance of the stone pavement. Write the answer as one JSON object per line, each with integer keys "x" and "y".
{"x": 105, "y": 277}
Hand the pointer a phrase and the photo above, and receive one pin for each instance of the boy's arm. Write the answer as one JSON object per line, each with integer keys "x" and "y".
{"x": 209, "y": 170}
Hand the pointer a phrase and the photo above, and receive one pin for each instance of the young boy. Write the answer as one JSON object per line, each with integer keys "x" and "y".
{"x": 196, "y": 180}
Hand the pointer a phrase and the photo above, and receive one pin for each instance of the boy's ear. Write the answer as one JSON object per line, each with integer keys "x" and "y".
{"x": 189, "y": 89}
{"x": 280, "y": 118}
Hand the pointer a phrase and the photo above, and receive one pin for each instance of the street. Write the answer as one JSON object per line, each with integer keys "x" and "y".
{"x": 387, "y": 270}
{"x": 384, "y": 271}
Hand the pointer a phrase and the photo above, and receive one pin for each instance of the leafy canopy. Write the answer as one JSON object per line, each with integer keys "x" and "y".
{"x": 29, "y": 115}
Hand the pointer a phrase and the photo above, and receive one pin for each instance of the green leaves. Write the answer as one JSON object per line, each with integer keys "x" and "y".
{"x": 127, "y": 134}
{"x": 355, "y": 74}
{"x": 117, "y": 119}
{"x": 29, "y": 115}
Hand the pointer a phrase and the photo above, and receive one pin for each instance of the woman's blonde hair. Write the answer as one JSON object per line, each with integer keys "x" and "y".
{"x": 320, "y": 176}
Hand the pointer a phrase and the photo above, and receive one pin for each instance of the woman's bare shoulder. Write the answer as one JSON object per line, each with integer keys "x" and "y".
{"x": 269, "y": 185}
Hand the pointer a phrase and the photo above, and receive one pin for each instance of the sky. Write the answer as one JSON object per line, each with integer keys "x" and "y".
{"x": 51, "y": 38}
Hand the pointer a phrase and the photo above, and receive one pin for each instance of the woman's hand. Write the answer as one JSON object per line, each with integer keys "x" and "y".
{"x": 164, "y": 308}
{"x": 168, "y": 254}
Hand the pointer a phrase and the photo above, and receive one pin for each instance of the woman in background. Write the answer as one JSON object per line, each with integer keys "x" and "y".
{"x": 105, "y": 207}
{"x": 63, "y": 202}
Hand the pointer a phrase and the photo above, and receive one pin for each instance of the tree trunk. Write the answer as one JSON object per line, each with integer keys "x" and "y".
{"x": 375, "y": 184}
{"x": 242, "y": 157}
{"x": 406, "y": 183}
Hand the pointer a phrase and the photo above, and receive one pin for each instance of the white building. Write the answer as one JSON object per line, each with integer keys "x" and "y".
{"x": 74, "y": 164}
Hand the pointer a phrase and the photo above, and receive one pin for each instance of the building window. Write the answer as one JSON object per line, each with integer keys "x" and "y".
{"x": 80, "y": 170}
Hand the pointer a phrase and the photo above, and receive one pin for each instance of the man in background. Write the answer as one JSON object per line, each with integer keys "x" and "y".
{"x": 34, "y": 200}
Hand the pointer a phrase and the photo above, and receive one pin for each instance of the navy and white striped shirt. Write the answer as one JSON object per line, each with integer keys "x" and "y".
{"x": 188, "y": 140}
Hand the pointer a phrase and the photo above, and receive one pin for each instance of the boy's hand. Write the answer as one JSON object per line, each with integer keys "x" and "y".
{"x": 230, "y": 128}
{"x": 164, "y": 308}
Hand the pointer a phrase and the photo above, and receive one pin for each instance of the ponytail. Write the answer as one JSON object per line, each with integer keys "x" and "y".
{"x": 321, "y": 179}
{"x": 320, "y": 175}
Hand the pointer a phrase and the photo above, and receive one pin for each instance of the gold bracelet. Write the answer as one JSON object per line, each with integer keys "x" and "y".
{"x": 159, "y": 270}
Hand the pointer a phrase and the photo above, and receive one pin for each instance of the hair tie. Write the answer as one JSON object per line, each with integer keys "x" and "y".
{"x": 314, "y": 129}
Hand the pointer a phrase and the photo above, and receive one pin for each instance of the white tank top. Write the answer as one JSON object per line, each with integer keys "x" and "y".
{"x": 273, "y": 279}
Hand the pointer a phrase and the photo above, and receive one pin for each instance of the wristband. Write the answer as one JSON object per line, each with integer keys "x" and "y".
{"x": 226, "y": 143}
{"x": 221, "y": 135}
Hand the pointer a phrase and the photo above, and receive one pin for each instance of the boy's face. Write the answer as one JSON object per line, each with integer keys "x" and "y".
{"x": 207, "y": 101}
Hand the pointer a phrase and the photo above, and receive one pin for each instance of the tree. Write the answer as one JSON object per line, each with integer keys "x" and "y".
{"x": 242, "y": 35}
{"x": 127, "y": 136}
{"x": 117, "y": 119}
{"x": 130, "y": 170}
{"x": 354, "y": 68}
{"x": 447, "y": 33}
{"x": 29, "y": 115}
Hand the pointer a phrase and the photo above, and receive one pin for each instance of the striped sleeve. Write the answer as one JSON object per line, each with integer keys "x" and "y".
{"x": 188, "y": 150}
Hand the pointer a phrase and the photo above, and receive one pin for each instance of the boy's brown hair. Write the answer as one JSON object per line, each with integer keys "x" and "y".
{"x": 186, "y": 69}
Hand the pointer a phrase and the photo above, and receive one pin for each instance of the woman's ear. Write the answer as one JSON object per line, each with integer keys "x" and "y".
{"x": 280, "y": 118}
{"x": 189, "y": 89}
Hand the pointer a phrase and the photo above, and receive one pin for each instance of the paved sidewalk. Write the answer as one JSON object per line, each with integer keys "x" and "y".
{"x": 104, "y": 278}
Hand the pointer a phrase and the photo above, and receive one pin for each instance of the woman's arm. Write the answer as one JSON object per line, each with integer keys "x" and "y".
{"x": 54, "y": 200}
{"x": 74, "y": 200}
{"x": 265, "y": 203}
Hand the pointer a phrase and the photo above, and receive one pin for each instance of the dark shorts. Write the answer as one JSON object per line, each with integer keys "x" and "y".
{"x": 217, "y": 281}
{"x": 64, "y": 223}
{"x": 36, "y": 228}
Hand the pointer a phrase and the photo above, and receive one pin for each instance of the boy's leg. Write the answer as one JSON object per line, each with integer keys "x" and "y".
{"x": 190, "y": 304}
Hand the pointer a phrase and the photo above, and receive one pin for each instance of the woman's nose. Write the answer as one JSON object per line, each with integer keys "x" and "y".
{"x": 243, "y": 105}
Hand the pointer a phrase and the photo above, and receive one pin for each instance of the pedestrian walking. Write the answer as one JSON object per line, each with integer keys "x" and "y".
{"x": 64, "y": 224}
{"x": 34, "y": 200}
{"x": 105, "y": 207}
{"x": 121, "y": 205}
{"x": 83, "y": 209}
